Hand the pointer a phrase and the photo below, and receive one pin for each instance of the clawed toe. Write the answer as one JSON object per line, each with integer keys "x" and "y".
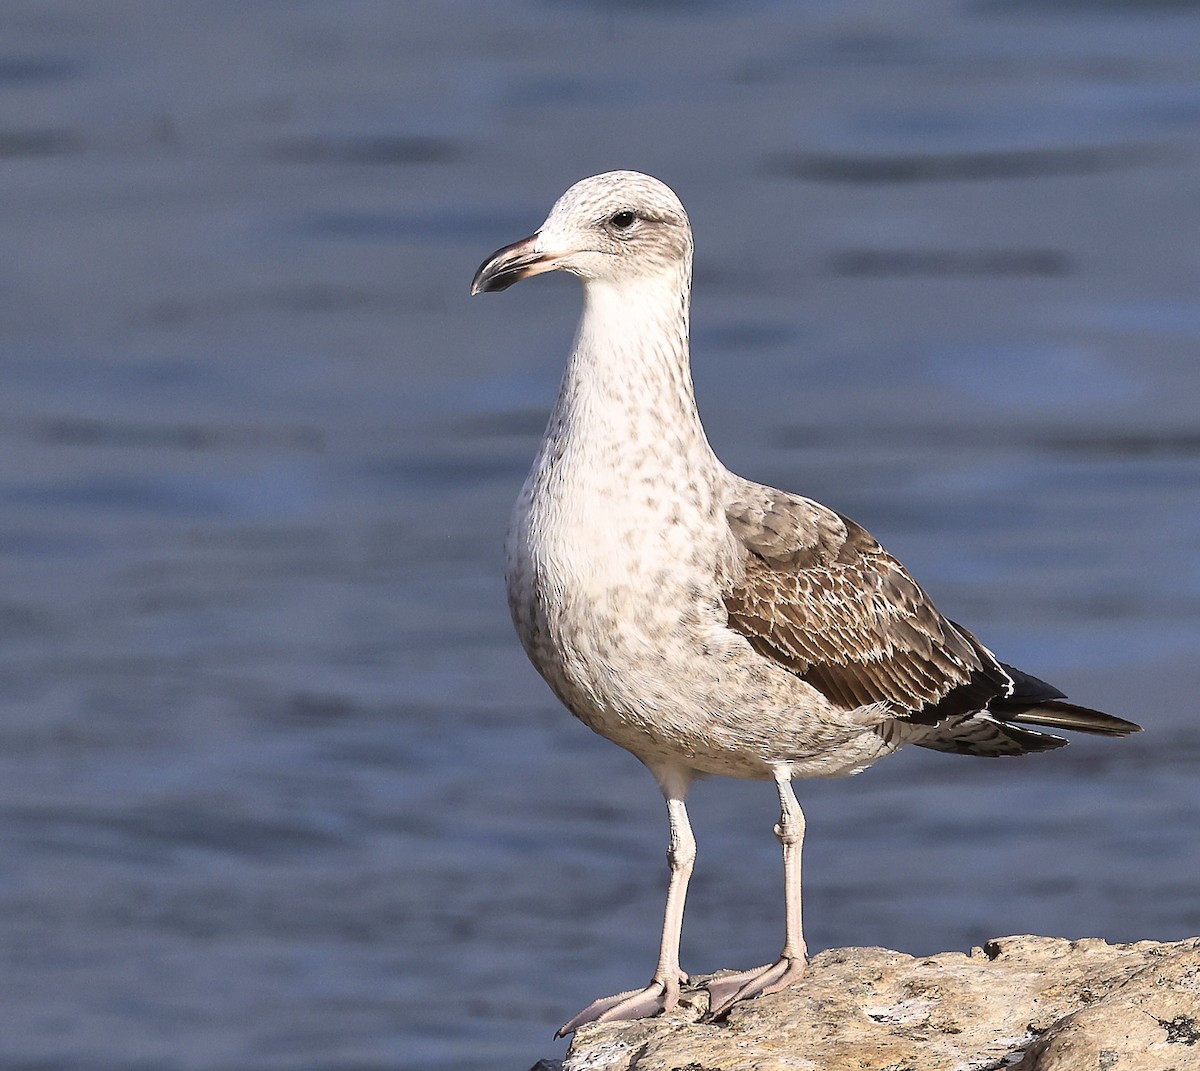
{"x": 726, "y": 990}
{"x": 659, "y": 996}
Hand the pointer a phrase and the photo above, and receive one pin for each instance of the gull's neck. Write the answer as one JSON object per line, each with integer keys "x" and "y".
{"x": 625, "y": 478}
{"x": 627, "y": 392}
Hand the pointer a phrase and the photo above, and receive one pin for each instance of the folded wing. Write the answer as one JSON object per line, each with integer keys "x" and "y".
{"x": 817, "y": 594}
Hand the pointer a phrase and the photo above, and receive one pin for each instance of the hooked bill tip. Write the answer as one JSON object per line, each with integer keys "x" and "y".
{"x": 510, "y": 265}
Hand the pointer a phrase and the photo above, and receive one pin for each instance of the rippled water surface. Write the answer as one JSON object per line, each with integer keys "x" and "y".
{"x": 278, "y": 789}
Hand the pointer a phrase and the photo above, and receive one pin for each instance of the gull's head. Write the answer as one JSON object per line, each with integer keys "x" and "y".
{"x": 619, "y": 226}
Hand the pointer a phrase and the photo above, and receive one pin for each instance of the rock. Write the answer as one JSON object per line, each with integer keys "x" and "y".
{"x": 1024, "y": 1003}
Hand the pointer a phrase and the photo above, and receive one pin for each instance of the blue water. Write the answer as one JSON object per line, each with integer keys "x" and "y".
{"x": 278, "y": 789}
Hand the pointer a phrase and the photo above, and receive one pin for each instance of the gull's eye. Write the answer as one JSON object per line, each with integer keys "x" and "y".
{"x": 622, "y": 221}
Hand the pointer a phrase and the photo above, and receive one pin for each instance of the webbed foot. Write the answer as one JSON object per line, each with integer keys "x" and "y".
{"x": 726, "y": 990}
{"x": 660, "y": 995}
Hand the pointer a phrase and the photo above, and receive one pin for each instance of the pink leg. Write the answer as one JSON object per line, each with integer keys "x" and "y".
{"x": 662, "y": 994}
{"x": 726, "y": 990}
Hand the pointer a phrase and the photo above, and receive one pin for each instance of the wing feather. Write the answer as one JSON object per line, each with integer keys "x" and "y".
{"x": 819, "y": 595}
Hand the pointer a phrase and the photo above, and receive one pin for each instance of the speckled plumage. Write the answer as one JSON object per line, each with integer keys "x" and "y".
{"x": 708, "y": 624}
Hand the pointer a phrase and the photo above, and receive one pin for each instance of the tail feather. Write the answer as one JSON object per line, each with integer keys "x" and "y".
{"x": 987, "y": 738}
{"x": 995, "y": 732}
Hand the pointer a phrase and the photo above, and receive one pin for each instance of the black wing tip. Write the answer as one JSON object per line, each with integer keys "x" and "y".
{"x": 1035, "y": 702}
{"x": 1026, "y": 688}
{"x": 1059, "y": 715}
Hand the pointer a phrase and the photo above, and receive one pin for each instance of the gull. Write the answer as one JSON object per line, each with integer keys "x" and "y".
{"x": 706, "y": 623}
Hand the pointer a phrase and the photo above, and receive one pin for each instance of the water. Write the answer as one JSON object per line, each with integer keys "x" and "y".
{"x": 277, "y": 787}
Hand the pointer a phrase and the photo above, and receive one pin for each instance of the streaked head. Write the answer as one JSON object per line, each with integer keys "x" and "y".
{"x": 621, "y": 225}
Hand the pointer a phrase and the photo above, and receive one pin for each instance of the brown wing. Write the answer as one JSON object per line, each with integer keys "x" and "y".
{"x": 819, "y": 595}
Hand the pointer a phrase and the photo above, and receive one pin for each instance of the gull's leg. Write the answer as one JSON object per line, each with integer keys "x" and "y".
{"x": 662, "y": 994}
{"x": 724, "y": 991}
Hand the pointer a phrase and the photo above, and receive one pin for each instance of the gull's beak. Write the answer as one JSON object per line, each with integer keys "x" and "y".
{"x": 512, "y": 264}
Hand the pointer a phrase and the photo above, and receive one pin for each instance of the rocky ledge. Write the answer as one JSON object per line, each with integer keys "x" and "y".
{"x": 1023, "y": 1003}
